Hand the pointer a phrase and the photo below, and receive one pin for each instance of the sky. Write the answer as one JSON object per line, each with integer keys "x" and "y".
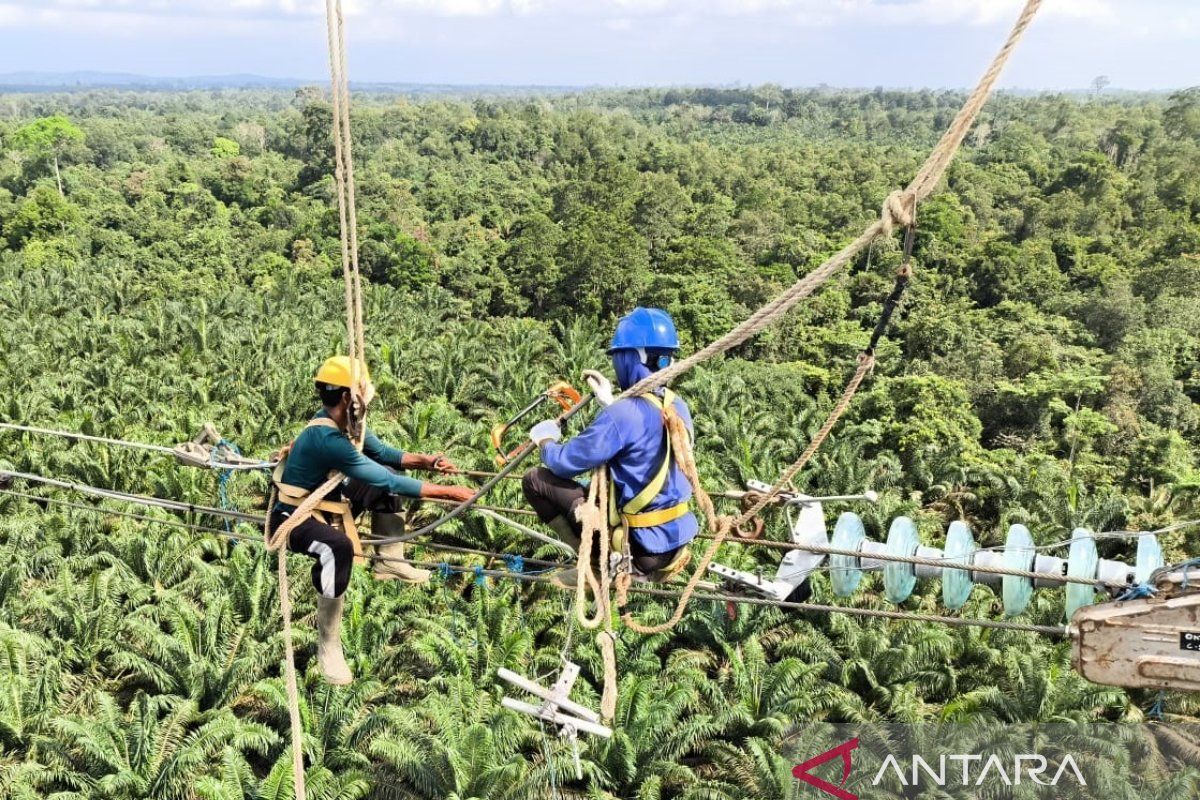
{"x": 1138, "y": 44}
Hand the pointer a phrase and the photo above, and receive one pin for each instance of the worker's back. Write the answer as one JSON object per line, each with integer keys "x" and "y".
{"x": 639, "y": 424}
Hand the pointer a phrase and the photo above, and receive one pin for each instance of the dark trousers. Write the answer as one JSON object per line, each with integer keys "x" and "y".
{"x": 552, "y": 496}
{"x": 331, "y": 549}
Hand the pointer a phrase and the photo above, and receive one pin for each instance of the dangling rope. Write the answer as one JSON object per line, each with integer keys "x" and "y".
{"x": 594, "y": 517}
{"x": 343, "y": 173}
{"x": 356, "y": 423}
{"x": 277, "y": 542}
{"x": 895, "y": 212}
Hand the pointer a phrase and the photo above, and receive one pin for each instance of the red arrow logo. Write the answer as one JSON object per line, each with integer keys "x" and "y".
{"x": 803, "y": 771}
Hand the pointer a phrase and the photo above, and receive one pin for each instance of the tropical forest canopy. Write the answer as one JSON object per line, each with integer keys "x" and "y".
{"x": 169, "y": 259}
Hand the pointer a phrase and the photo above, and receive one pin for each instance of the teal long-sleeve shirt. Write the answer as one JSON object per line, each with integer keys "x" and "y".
{"x": 318, "y": 451}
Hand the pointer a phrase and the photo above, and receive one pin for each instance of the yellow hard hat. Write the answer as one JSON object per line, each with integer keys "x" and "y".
{"x": 336, "y": 371}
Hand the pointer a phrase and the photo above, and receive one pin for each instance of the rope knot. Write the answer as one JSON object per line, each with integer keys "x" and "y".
{"x": 898, "y": 209}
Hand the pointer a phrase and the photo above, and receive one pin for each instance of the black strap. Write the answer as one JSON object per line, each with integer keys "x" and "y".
{"x": 903, "y": 276}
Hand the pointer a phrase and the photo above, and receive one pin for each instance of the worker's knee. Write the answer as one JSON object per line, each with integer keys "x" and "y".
{"x": 550, "y": 495}
{"x": 333, "y": 556}
{"x": 342, "y": 547}
{"x": 364, "y": 497}
{"x": 533, "y": 483}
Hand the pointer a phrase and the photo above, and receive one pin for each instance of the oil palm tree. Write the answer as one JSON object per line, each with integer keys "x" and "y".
{"x": 156, "y": 747}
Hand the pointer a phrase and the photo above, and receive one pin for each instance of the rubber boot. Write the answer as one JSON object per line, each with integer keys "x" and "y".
{"x": 565, "y": 531}
{"x": 565, "y": 578}
{"x": 329, "y": 641}
{"x": 384, "y": 525}
{"x": 562, "y": 527}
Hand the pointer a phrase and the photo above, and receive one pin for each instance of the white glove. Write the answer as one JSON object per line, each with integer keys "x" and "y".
{"x": 601, "y": 387}
{"x": 545, "y": 431}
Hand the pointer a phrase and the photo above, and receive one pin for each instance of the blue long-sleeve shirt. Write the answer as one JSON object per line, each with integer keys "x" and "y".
{"x": 628, "y": 436}
{"x": 319, "y": 450}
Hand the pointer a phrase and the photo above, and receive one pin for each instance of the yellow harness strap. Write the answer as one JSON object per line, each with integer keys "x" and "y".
{"x": 336, "y": 513}
{"x": 631, "y": 515}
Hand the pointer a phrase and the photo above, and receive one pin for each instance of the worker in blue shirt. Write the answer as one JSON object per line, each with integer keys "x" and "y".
{"x": 629, "y": 437}
{"x": 372, "y": 483}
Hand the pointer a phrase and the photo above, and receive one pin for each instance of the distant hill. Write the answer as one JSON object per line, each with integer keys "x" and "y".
{"x": 83, "y": 80}
{"x": 58, "y": 81}
{"x": 87, "y": 80}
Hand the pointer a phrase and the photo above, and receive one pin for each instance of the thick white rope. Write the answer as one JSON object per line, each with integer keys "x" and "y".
{"x": 348, "y": 223}
{"x": 277, "y": 541}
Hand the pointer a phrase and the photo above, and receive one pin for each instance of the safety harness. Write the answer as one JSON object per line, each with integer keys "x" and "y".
{"x": 631, "y": 516}
{"x": 336, "y": 513}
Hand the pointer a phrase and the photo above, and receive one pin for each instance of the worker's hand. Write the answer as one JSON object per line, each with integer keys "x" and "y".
{"x": 601, "y": 387}
{"x": 546, "y": 431}
{"x": 440, "y": 463}
{"x": 437, "y": 491}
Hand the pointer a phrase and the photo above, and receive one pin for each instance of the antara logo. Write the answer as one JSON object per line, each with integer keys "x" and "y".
{"x": 990, "y": 769}
{"x": 844, "y": 750}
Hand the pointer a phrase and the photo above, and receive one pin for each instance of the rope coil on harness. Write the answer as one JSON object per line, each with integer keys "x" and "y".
{"x": 593, "y": 515}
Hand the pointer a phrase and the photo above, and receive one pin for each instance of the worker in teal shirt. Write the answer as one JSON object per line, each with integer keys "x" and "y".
{"x": 629, "y": 438}
{"x": 372, "y": 483}
{"x": 317, "y": 448}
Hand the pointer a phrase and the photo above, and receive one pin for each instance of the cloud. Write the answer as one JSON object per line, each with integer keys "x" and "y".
{"x": 974, "y": 12}
{"x": 412, "y": 20}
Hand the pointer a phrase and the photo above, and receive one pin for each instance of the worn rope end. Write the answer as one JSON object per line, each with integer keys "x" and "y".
{"x": 607, "y": 642}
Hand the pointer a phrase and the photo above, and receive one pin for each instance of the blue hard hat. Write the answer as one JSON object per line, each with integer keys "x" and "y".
{"x": 649, "y": 328}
